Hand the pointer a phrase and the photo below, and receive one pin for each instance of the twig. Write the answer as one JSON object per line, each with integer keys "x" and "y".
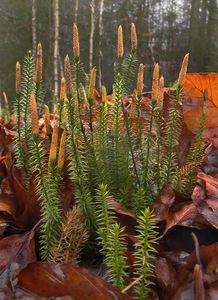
{"x": 197, "y": 252}
{"x": 131, "y": 284}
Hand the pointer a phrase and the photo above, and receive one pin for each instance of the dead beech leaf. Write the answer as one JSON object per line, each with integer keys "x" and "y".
{"x": 59, "y": 280}
{"x": 28, "y": 208}
{"x": 16, "y": 251}
{"x": 209, "y": 215}
{"x": 7, "y": 137}
{"x": 19, "y": 248}
{"x": 185, "y": 215}
{"x": 166, "y": 277}
{"x": 208, "y": 257}
{"x": 185, "y": 139}
{"x": 2, "y": 158}
{"x": 199, "y": 290}
{"x": 210, "y": 164}
{"x": 193, "y": 90}
{"x": 8, "y": 205}
{"x": 125, "y": 217}
{"x": 184, "y": 292}
{"x": 211, "y": 184}
{"x": 164, "y": 201}
{"x": 206, "y": 207}
{"x": 213, "y": 204}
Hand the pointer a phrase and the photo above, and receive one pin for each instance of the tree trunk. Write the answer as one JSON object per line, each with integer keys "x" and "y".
{"x": 76, "y": 11}
{"x": 92, "y": 30}
{"x": 195, "y": 42}
{"x": 212, "y": 34}
{"x": 56, "y": 44}
{"x": 34, "y": 39}
{"x": 100, "y": 55}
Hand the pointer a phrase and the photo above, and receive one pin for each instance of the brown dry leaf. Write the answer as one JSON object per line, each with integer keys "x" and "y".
{"x": 16, "y": 252}
{"x": 184, "y": 215}
{"x": 206, "y": 207}
{"x": 209, "y": 215}
{"x": 166, "y": 278}
{"x": 8, "y": 208}
{"x": 17, "y": 248}
{"x": 196, "y": 281}
{"x": 172, "y": 208}
{"x": 28, "y": 208}
{"x": 199, "y": 290}
{"x": 208, "y": 257}
{"x": 7, "y": 204}
{"x": 7, "y": 137}
{"x": 126, "y": 218}
{"x": 59, "y": 280}
{"x": 163, "y": 202}
{"x": 211, "y": 184}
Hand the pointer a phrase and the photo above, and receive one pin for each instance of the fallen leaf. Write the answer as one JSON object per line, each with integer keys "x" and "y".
{"x": 166, "y": 278}
{"x": 19, "y": 248}
{"x": 59, "y": 280}
{"x": 184, "y": 215}
{"x": 28, "y": 208}
{"x": 7, "y": 137}
{"x": 209, "y": 215}
{"x": 8, "y": 205}
{"x": 193, "y": 90}
{"x": 163, "y": 202}
{"x": 125, "y": 217}
{"x": 211, "y": 184}
{"x": 199, "y": 291}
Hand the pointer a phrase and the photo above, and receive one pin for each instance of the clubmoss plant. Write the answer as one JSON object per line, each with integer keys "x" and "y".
{"x": 47, "y": 184}
{"x": 144, "y": 253}
{"x": 118, "y": 146}
{"x": 74, "y": 236}
{"x": 23, "y": 139}
{"x": 115, "y": 258}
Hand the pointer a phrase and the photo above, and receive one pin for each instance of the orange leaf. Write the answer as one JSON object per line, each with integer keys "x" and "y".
{"x": 193, "y": 90}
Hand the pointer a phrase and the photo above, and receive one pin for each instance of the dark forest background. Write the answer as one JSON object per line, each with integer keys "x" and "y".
{"x": 167, "y": 29}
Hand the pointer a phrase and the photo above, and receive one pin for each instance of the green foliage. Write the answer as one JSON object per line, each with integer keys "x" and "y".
{"x": 144, "y": 263}
{"x": 80, "y": 75}
{"x": 78, "y": 167}
{"x": 129, "y": 70}
{"x": 171, "y": 139}
{"x": 119, "y": 161}
{"x": 22, "y": 109}
{"x": 148, "y": 160}
{"x": 115, "y": 256}
{"x": 102, "y": 140}
{"x": 194, "y": 159}
{"x": 139, "y": 201}
{"x": 105, "y": 216}
{"x": 159, "y": 143}
{"x": 39, "y": 94}
{"x": 47, "y": 189}
{"x": 51, "y": 213}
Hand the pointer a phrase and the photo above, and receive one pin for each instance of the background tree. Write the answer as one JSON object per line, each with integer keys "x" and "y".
{"x": 56, "y": 45}
{"x": 34, "y": 26}
{"x": 166, "y": 31}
